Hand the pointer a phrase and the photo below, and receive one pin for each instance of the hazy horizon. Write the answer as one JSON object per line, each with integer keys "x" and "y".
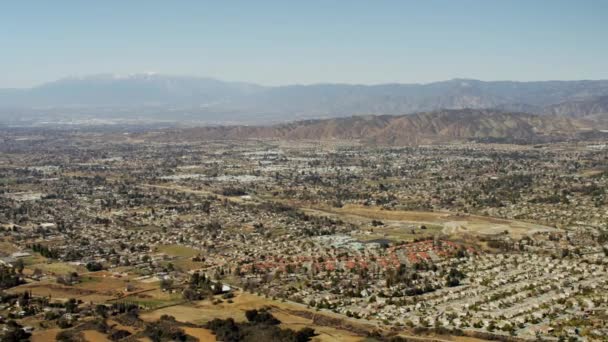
{"x": 119, "y": 76}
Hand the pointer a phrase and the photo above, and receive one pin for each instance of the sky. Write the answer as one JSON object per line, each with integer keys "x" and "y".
{"x": 304, "y": 42}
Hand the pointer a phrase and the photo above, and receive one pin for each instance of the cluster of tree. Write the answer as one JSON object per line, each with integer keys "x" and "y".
{"x": 231, "y": 191}
{"x": 93, "y": 266}
{"x": 125, "y": 307}
{"x": 399, "y": 275}
{"x": 206, "y": 207}
{"x": 212, "y": 226}
{"x": 165, "y": 329}
{"x": 73, "y": 255}
{"x": 508, "y": 188}
{"x": 322, "y": 225}
{"x": 261, "y": 316}
{"x": 261, "y": 326}
{"x": 201, "y": 286}
{"x": 502, "y": 245}
{"x": 551, "y": 199}
{"x": 603, "y": 237}
{"x": 9, "y": 277}
{"x": 68, "y": 279}
{"x": 166, "y": 284}
{"x": 419, "y": 290}
{"x": 592, "y": 190}
{"x": 71, "y": 306}
{"x": 454, "y": 277}
{"x": 13, "y": 332}
{"x": 45, "y": 251}
{"x": 76, "y": 334}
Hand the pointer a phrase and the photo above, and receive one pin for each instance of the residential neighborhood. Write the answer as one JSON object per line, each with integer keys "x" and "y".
{"x": 484, "y": 240}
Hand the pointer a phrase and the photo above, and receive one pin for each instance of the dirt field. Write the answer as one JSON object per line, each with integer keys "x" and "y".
{"x": 95, "y": 287}
{"x": 203, "y": 335}
{"x": 94, "y": 336}
{"x": 45, "y": 335}
{"x": 325, "y": 334}
{"x": 442, "y": 338}
{"x": 446, "y": 222}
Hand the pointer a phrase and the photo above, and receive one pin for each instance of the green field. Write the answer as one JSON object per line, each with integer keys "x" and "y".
{"x": 57, "y": 268}
{"x": 154, "y": 302}
{"x": 177, "y": 250}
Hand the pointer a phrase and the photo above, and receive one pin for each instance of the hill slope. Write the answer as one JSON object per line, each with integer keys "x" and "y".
{"x": 421, "y": 128}
{"x": 592, "y": 107}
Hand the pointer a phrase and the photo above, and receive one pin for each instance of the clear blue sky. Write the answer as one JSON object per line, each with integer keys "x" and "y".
{"x": 284, "y": 42}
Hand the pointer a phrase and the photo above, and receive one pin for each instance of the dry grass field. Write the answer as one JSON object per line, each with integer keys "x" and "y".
{"x": 324, "y": 333}
{"x": 7, "y": 248}
{"x": 202, "y": 334}
{"x": 153, "y": 298}
{"x": 204, "y": 311}
{"x": 119, "y": 326}
{"x": 182, "y": 256}
{"x": 45, "y": 335}
{"x": 398, "y": 222}
{"x": 56, "y": 268}
{"x": 97, "y": 287}
{"x": 94, "y": 336}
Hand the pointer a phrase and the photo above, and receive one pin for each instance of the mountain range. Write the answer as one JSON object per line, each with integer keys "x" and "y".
{"x": 208, "y": 101}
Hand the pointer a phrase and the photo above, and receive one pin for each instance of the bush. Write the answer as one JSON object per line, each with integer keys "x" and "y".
{"x": 67, "y": 336}
{"x": 262, "y": 316}
{"x": 63, "y": 323}
{"x": 94, "y": 266}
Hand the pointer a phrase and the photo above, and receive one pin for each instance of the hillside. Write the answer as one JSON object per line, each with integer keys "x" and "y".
{"x": 421, "y": 128}
{"x": 593, "y": 107}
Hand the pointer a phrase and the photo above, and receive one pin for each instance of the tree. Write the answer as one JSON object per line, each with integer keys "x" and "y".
{"x": 94, "y": 266}
{"x": 19, "y": 265}
{"x": 63, "y": 323}
{"x": 166, "y": 284}
{"x": 71, "y": 305}
{"x": 9, "y": 278}
{"x": 14, "y": 333}
{"x": 305, "y": 334}
{"x": 101, "y": 310}
{"x": 261, "y": 316}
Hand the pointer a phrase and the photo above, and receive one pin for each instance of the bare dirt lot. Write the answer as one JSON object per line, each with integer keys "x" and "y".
{"x": 200, "y": 333}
